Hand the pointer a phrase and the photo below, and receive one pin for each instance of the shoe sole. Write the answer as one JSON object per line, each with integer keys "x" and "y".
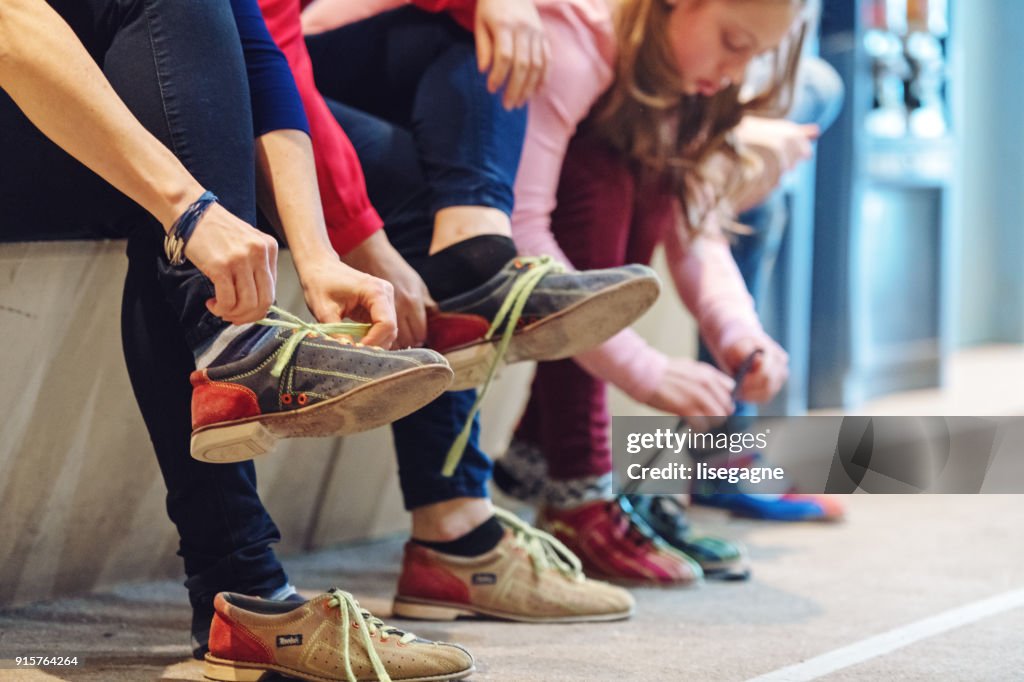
{"x": 232, "y": 671}
{"x": 727, "y": 572}
{"x": 647, "y": 582}
{"x": 425, "y": 609}
{"x": 561, "y": 335}
{"x": 363, "y": 408}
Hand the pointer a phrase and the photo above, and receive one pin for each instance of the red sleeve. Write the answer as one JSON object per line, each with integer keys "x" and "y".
{"x": 462, "y": 11}
{"x": 347, "y": 210}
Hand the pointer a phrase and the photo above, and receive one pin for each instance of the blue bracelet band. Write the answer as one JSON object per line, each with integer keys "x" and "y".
{"x": 181, "y": 231}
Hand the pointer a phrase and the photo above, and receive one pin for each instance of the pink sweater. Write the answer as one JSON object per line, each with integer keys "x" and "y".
{"x": 704, "y": 272}
{"x": 581, "y": 69}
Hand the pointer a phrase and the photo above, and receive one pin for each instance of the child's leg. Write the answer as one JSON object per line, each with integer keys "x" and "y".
{"x": 418, "y": 71}
{"x": 398, "y": 189}
{"x": 452, "y": 516}
{"x": 605, "y": 217}
{"x": 567, "y": 414}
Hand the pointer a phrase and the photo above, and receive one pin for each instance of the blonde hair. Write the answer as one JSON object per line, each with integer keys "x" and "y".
{"x": 645, "y": 117}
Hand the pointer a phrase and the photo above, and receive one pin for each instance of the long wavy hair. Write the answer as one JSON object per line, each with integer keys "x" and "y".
{"x": 646, "y": 117}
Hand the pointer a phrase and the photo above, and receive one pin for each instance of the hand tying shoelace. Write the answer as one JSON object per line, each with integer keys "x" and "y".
{"x": 507, "y": 319}
{"x": 302, "y": 329}
{"x": 545, "y": 550}
{"x": 368, "y": 625}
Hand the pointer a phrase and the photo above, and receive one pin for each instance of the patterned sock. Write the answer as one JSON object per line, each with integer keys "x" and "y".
{"x": 574, "y": 492}
{"x": 522, "y": 473}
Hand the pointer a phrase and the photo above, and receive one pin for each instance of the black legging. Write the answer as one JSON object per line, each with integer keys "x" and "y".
{"x": 178, "y": 66}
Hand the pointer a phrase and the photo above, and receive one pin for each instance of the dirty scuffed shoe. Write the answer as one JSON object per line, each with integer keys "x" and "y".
{"x": 529, "y": 577}
{"x": 720, "y": 559}
{"x": 552, "y": 313}
{"x": 302, "y": 382}
{"x": 613, "y": 546}
{"x": 326, "y": 639}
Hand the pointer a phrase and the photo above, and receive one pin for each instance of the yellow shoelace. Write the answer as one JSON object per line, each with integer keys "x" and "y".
{"x": 508, "y": 317}
{"x": 368, "y": 626}
{"x": 302, "y": 329}
{"x": 545, "y": 550}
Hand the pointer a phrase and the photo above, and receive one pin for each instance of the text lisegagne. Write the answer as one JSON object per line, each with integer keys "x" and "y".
{"x": 704, "y": 472}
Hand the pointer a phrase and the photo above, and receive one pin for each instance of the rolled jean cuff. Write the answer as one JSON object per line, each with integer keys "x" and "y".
{"x": 443, "y": 490}
{"x": 499, "y": 198}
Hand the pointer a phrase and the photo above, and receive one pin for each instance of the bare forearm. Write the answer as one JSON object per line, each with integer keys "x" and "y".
{"x": 288, "y": 194}
{"x": 53, "y": 80}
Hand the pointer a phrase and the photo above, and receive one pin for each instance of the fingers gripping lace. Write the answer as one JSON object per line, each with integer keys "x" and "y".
{"x": 507, "y": 318}
{"x": 301, "y": 330}
{"x": 545, "y": 550}
{"x": 353, "y": 615}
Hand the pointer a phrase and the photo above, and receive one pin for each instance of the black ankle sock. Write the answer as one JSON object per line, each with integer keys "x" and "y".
{"x": 481, "y": 539}
{"x": 465, "y": 265}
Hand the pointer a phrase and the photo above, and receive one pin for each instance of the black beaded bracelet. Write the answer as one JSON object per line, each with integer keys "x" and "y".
{"x": 181, "y": 231}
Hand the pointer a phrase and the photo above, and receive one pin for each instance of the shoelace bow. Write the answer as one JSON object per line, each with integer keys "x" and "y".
{"x": 367, "y": 624}
{"x": 545, "y": 550}
{"x": 507, "y": 318}
{"x": 301, "y": 330}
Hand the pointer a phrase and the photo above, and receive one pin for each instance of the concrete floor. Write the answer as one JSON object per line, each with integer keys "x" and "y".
{"x": 896, "y": 562}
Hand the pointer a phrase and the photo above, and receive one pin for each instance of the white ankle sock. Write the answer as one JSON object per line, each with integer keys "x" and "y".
{"x": 219, "y": 343}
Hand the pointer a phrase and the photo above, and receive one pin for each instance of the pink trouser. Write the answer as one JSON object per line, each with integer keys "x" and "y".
{"x": 606, "y": 216}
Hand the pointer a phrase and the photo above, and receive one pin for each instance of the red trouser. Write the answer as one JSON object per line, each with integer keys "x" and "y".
{"x": 606, "y": 216}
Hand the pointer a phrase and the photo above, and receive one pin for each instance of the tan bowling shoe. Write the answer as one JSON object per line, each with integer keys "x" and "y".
{"x": 327, "y": 639}
{"x": 529, "y": 577}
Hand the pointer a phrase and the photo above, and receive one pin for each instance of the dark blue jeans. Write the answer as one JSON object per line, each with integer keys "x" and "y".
{"x": 405, "y": 87}
{"x": 178, "y": 66}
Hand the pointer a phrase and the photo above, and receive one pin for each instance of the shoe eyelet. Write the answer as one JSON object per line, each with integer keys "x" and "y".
{"x": 355, "y": 625}
{"x": 302, "y": 399}
{"x": 286, "y": 398}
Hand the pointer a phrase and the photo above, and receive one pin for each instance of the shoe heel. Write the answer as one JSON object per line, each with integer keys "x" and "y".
{"x": 236, "y": 443}
{"x": 416, "y": 611}
{"x": 470, "y": 365}
{"x": 228, "y": 672}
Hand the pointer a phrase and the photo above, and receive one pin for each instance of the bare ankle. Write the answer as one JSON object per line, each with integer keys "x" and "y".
{"x": 459, "y": 223}
{"x": 451, "y": 519}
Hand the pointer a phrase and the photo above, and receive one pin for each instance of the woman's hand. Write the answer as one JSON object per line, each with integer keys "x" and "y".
{"x": 377, "y": 257}
{"x": 239, "y": 260}
{"x": 768, "y": 371}
{"x": 695, "y": 390}
{"x": 335, "y": 291}
{"x": 512, "y": 45}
